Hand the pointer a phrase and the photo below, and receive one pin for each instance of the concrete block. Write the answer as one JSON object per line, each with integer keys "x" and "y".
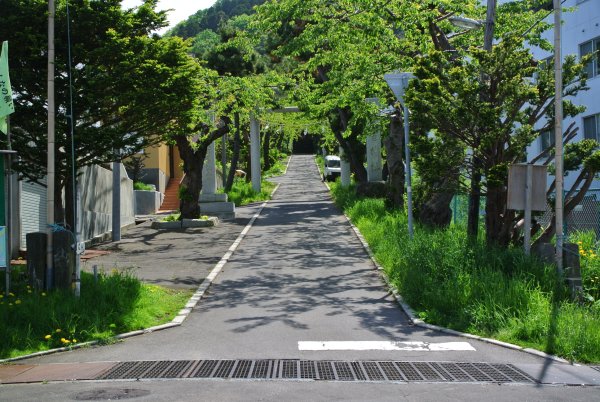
{"x": 213, "y": 197}
{"x": 166, "y": 225}
{"x": 200, "y": 223}
{"x": 146, "y": 202}
{"x": 212, "y": 208}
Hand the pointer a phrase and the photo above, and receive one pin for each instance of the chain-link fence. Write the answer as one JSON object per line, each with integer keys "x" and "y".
{"x": 584, "y": 217}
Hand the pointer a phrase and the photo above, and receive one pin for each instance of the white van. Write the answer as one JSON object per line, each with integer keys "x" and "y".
{"x": 332, "y": 168}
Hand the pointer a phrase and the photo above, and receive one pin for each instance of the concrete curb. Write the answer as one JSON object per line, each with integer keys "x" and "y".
{"x": 286, "y": 167}
{"x": 420, "y": 323}
{"x": 183, "y": 313}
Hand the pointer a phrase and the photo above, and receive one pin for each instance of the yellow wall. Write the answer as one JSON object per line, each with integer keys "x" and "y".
{"x": 177, "y": 163}
{"x": 157, "y": 157}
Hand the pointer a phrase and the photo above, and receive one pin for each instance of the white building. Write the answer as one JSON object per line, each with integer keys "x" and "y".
{"x": 580, "y": 36}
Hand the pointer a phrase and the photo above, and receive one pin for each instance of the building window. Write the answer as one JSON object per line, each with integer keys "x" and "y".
{"x": 591, "y": 127}
{"x": 546, "y": 138}
{"x": 588, "y": 47}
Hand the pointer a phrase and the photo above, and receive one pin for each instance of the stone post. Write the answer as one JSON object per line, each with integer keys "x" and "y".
{"x": 345, "y": 174}
{"x": 209, "y": 171}
{"x": 374, "y": 157}
{"x": 255, "y": 152}
{"x": 374, "y": 149}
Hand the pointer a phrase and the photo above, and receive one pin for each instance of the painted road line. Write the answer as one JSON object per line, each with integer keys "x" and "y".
{"x": 385, "y": 345}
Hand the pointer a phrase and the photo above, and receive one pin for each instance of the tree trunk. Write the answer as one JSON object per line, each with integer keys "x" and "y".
{"x": 353, "y": 148}
{"x": 394, "y": 144}
{"x": 497, "y": 218}
{"x": 236, "y": 154}
{"x": 266, "y": 147}
{"x": 190, "y": 187}
{"x": 474, "y": 199}
{"x": 436, "y": 211}
{"x": 59, "y": 210}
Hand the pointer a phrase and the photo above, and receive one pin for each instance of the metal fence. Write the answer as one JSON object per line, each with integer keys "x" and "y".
{"x": 585, "y": 216}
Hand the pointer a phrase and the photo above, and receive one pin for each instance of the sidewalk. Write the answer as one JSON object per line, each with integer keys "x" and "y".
{"x": 170, "y": 258}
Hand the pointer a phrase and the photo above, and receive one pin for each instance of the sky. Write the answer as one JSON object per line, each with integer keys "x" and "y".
{"x": 181, "y": 8}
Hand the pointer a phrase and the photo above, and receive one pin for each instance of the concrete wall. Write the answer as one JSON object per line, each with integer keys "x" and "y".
{"x": 147, "y": 202}
{"x": 96, "y": 204}
{"x": 96, "y": 201}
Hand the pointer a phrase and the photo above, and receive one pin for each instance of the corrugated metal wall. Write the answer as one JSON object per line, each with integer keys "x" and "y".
{"x": 33, "y": 209}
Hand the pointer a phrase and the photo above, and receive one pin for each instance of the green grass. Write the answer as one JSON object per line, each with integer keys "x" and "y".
{"x": 138, "y": 185}
{"x": 172, "y": 217}
{"x": 464, "y": 285}
{"x": 118, "y": 302}
{"x": 278, "y": 167}
{"x": 241, "y": 192}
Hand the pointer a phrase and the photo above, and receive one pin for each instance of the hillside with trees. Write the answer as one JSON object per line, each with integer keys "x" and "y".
{"x": 211, "y": 18}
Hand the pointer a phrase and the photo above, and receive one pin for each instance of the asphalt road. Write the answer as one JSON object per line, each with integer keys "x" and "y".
{"x": 300, "y": 275}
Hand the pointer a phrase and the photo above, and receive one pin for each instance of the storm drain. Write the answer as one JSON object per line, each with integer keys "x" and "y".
{"x": 597, "y": 368}
{"x": 321, "y": 370}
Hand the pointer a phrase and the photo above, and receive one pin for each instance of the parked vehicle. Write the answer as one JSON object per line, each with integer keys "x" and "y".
{"x": 332, "y": 168}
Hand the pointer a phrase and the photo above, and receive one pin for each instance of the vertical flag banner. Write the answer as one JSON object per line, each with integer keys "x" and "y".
{"x": 6, "y": 103}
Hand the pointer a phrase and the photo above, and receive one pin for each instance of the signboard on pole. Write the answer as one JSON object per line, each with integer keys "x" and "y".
{"x": 517, "y": 180}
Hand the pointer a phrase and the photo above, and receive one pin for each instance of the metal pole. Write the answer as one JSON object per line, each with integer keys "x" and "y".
{"x": 75, "y": 187}
{"x": 527, "y": 226}
{"x": 408, "y": 170}
{"x": 51, "y": 140}
{"x": 8, "y": 206}
{"x": 558, "y": 141}
{"x": 116, "y": 201}
{"x": 78, "y": 249}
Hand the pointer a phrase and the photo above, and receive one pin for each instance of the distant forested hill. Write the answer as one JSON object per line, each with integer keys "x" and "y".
{"x": 212, "y": 17}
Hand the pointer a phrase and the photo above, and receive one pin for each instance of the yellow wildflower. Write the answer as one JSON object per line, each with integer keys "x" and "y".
{"x": 11, "y": 294}
{"x": 63, "y": 340}
{"x": 74, "y": 340}
{"x": 48, "y": 337}
{"x": 58, "y": 330}
{"x": 17, "y": 301}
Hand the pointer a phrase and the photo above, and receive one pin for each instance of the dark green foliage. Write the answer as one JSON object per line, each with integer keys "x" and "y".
{"x": 212, "y": 17}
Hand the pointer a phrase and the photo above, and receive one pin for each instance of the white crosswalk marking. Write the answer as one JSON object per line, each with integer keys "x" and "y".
{"x": 385, "y": 345}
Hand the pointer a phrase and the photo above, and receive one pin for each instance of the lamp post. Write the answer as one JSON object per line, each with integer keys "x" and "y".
{"x": 398, "y": 82}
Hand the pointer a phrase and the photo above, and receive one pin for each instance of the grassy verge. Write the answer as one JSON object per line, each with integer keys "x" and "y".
{"x": 278, "y": 167}
{"x": 469, "y": 287}
{"x": 34, "y": 321}
{"x": 242, "y": 193}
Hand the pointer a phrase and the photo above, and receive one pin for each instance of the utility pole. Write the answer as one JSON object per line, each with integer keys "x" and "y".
{"x": 558, "y": 140}
{"x": 490, "y": 20}
{"x": 50, "y": 166}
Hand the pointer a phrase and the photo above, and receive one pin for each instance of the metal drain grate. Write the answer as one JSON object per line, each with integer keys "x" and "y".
{"x": 597, "y": 368}
{"x": 322, "y": 370}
